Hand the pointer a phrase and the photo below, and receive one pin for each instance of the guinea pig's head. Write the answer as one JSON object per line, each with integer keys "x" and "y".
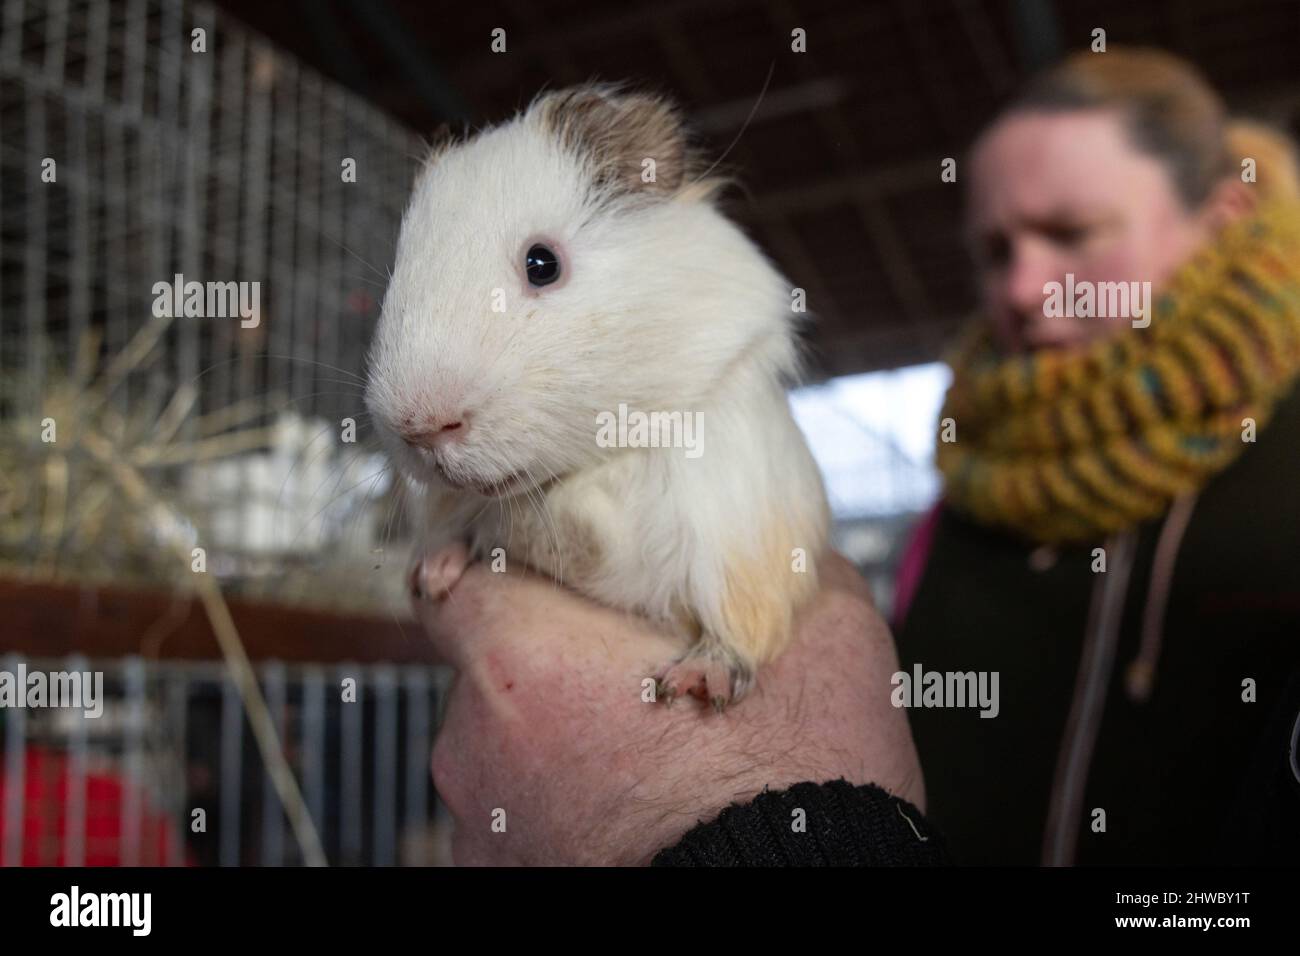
{"x": 550, "y": 269}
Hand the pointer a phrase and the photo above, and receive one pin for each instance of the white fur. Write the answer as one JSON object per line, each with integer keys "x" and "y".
{"x": 665, "y": 306}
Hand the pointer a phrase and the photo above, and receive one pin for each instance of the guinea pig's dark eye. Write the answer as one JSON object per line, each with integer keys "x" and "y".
{"x": 542, "y": 264}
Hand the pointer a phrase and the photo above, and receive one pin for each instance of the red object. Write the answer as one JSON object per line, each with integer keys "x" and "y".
{"x": 45, "y": 817}
{"x": 911, "y": 566}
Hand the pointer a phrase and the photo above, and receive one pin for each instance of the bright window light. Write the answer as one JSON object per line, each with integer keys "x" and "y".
{"x": 873, "y": 436}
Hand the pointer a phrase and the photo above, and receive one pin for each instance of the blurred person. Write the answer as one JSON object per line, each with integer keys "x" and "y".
{"x": 1119, "y": 538}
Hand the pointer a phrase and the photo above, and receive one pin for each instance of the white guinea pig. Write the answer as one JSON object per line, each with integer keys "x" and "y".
{"x": 563, "y": 275}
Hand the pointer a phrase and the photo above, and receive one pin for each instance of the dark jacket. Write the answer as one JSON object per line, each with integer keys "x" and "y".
{"x": 1190, "y": 774}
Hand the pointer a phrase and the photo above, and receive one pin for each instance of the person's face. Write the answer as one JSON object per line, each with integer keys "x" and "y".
{"x": 1065, "y": 192}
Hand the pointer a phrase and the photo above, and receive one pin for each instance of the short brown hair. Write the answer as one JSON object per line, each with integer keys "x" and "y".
{"x": 1172, "y": 113}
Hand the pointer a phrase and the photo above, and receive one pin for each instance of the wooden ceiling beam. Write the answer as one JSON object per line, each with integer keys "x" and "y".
{"x": 691, "y": 71}
{"x": 873, "y": 184}
{"x": 899, "y": 269}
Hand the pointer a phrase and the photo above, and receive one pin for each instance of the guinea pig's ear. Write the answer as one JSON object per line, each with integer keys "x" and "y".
{"x": 636, "y": 141}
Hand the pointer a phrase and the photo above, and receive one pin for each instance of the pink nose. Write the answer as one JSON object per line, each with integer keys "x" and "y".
{"x": 431, "y": 434}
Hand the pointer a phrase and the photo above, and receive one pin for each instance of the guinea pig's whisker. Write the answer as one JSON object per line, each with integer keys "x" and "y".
{"x": 350, "y": 528}
{"x": 368, "y": 265}
{"x": 385, "y": 536}
{"x": 353, "y": 379}
{"x": 366, "y": 279}
{"x": 343, "y": 471}
{"x": 478, "y": 514}
{"x": 338, "y": 473}
{"x": 351, "y": 375}
{"x": 297, "y": 399}
{"x": 510, "y": 514}
{"x": 360, "y": 389}
{"x": 327, "y": 446}
{"x": 537, "y": 498}
{"x": 551, "y": 476}
{"x": 308, "y": 523}
{"x": 533, "y": 503}
{"x": 744, "y": 126}
{"x": 396, "y": 509}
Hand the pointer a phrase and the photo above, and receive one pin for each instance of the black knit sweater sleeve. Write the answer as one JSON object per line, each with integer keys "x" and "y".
{"x": 841, "y": 825}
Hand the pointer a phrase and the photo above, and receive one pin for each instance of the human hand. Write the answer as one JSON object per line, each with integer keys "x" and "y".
{"x": 549, "y": 754}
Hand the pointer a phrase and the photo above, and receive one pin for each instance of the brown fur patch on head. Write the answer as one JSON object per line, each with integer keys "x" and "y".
{"x": 617, "y": 132}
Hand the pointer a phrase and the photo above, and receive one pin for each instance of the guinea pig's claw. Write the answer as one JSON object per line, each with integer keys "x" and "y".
{"x": 434, "y": 575}
{"x": 714, "y": 674}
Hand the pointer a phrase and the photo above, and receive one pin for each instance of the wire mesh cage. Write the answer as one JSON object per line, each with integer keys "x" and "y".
{"x": 195, "y": 234}
{"x": 155, "y": 158}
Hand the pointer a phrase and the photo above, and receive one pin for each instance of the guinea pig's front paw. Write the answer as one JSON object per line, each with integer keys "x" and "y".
{"x": 710, "y": 671}
{"x": 434, "y": 575}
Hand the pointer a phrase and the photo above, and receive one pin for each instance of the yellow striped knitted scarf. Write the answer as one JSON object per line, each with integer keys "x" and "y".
{"x": 1071, "y": 445}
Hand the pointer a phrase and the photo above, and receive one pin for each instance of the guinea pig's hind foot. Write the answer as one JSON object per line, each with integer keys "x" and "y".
{"x": 710, "y": 671}
{"x": 433, "y": 575}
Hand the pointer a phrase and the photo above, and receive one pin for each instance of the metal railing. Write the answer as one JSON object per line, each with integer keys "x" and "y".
{"x": 167, "y": 773}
